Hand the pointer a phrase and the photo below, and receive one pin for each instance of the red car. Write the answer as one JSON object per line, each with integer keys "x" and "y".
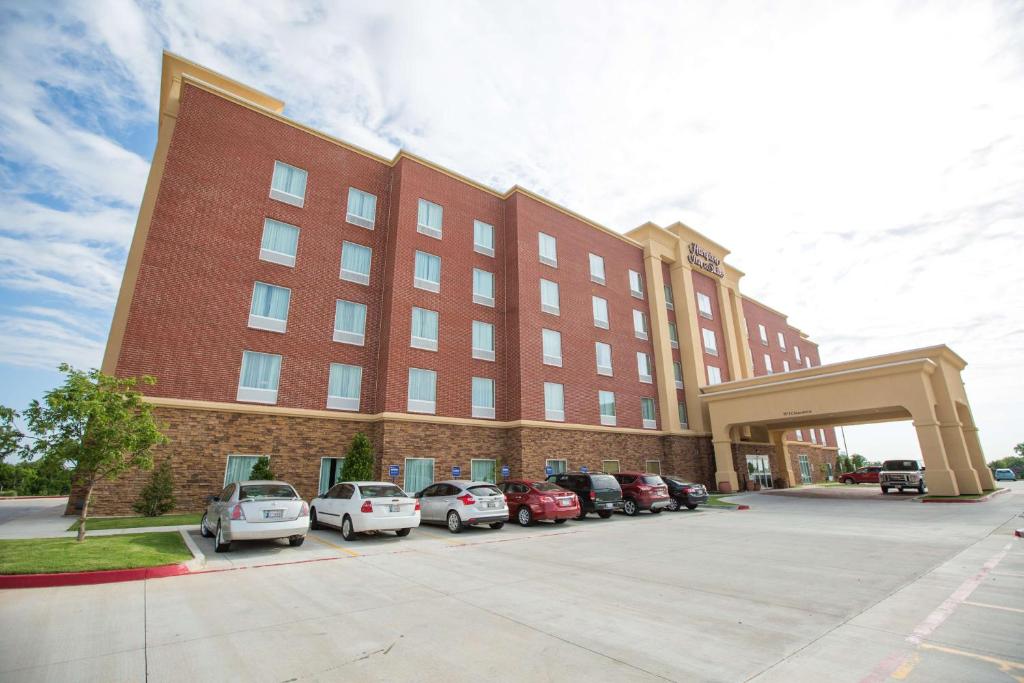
{"x": 642, "y": 491}
{"x": 864, "y": 475}
{"x": 530, "y": 501}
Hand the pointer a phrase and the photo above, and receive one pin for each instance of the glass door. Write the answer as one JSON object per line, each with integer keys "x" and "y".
{"x": 759, "y": 470}
{"x": 805, "y": 470}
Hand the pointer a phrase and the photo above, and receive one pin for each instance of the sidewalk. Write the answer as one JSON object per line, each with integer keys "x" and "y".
{"x": 44, "y": 518}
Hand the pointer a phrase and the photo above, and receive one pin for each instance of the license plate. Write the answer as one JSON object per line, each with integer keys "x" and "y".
{"x": 394, "y": 508}
{"x": 489, "y": 504}
{"x": 565, "y": 502}
{"x": 273, "y": 514}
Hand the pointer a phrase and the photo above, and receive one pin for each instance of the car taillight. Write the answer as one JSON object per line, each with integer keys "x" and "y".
{"x": 367, "y": 506}
{"x": 593, "y": 495}
{"x": 643, "y": 488}
{"x": 547, "y": 499}
{"x": 236, "y": 512}
{"x": 685, "y": 489}
{"x": 304, "y": 510}
{"x": 467, "y": 499}
{"x": 417, "y": 505}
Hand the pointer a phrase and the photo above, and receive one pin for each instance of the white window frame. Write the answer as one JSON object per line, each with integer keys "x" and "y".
{"x": 673, "y": 335}
{"x": 607, "y": 420}
{"x": 564, "y": 461}
{"x": 494, "y": 468}
{"x": 601, "y": 324}
{"x": 423, "y": 283}
{"x": 684, "y": 417}
{"x": 796, "y": 353}
{"x": 259, "y": 322}
{"x": 712, "y": 349}
{"x": 814, "y": 437}
{"x": 605, "y": 468}
{"x": 821, "y": 436}
{"x": 347, "y": 336}
{"x": 649, "y": 423}
{"x": 278, "y": 257}
{"x": 639, "y": 292}
{"x": 768, "y": 364}
{"x": 356, "y": 219}
{"x": 782, "y": 341}
{"x": 555, "y": 361}
{"x": 424, "y": 228}
{"x": 799, "y": 435}
{"x": 545, "y": 259}
{"x": 480, "y": 298}
{"x": 345, "y": 402}
{"x": 763, "y": 333}
{"x": 639, "y": 333}
{"x": 669, "y": 304}
{"x": 321, "y": 489}
{"x": 420, "y": 405}
{"x": 553, "y": 414}
{"x": 486, "y": 412}
{"x": 599, "y": 279}
{"x": 255, "y": 394}
{"x": 643, "y": 362}
{"x": 605, "y": 370}
{"x": 704, "y": 306}
{"x": 483, "y": 354}
{"x": 424, "y": 343}
{"x": 546, "y": 307}
{"x": 351, "y": 275}
{"x": 678, "y": 376}
{"x": 785, "y": 365}
{"x": 405, "y": 473}
{"x": 287, "y": 197}
{"x": 483, "y": 248}
{"x": 714, "y": 375}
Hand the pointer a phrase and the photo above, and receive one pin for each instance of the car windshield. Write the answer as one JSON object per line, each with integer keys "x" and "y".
{"x": 653, "y": 480}
{"x": 484, "y": 490}
{"x": 380, "y": 491}
{"x": 545, "y": 486}
{"x": 604, "y": 481}
{"x": 900, "y": 465}
{"x": 261, "y": 491}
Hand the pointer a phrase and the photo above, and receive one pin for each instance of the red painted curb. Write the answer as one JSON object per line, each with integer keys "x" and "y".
{"x": 90, "y": 578}
{"x": 742, "y": 507}
{"x": 1019, "y": 533}
{"x": 965, "y": 500}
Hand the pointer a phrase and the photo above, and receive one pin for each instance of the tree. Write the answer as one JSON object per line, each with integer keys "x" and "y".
{"x": 157, "y": 497}
{"x": 358, "y": 460}
{"x": 1012, "y": 462}
{"x": 10, "y": 436}
{"x": 97, "y": 424}
{"x": 261, "y": 470}
{"x": 857, "y": 461}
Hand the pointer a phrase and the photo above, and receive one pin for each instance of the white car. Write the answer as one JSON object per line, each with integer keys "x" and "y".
{"x": 358, "y": 506}
{"x": 459, "y": 503}
{"x": 255, "y": 510}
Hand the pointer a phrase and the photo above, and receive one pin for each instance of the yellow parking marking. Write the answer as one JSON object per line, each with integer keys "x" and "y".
{"x": 342, "y": 548}
{"x": 1005, "y": 665}
{"x": 906, "y": 667}
{"x": 1002, "y": 607}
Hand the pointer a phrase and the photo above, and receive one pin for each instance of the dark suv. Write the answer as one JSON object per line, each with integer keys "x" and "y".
{"x": 598, "y": 493}
{"x": 642, "y": 491}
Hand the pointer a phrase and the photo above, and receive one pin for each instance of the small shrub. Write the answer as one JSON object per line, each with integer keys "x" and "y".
{"x": 358, "y": 460}
{"x": 157, "y": 497}
{"x": 261, "y": 470}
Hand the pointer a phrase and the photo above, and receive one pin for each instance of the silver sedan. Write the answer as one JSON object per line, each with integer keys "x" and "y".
{"x": 255, "y": 510}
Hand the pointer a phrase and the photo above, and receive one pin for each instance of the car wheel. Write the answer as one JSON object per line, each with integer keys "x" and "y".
{"x": 630, "y": 507}
{"x": 313, "y": 524}
{"x": 673, "y": 505}
{"x": 901, "y": 490}
{"x": 496, "y": 525}
{"x": 920, "y": 489}
{"x": 296, "y": 541}
{"x": 560, "y": 521}
{"x": 691, "y": 506}
{"x": 524, "y": 516}
{"x": 203, "y": 531}
{"x": 220, "y": 545}
{"x": 402, "y": 532}
{"x": 347, "y": 531}
{"x": 454, "y": 522}
{"x": 604, "y": 514}
{"x": 847, "y": 481}
{"x": 885, "y": 490}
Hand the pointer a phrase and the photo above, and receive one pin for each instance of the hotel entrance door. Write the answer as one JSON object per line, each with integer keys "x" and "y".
{"x": 759, "y": 470}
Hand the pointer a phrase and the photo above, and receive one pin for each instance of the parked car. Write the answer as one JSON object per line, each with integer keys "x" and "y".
{"x": 460, "y": 503}
{"x": 255, "y": 510}
{"x": 357, "y": 507}
{"x": 1005, "y": 474}
{"x": 532, "y": 501}
{"x": 642, "y": 491}
{"x": 598, "y": 493}
{"x": 862, "y": 475}
{"x": 684, "y": 493}
{"x": 901, "y": 474}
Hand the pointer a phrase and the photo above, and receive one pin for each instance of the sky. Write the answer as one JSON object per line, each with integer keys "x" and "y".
{"x": 864, "y": 162}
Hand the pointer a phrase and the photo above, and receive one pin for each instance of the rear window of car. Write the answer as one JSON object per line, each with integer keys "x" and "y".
{"x": 261, "y": 491}
{"x": 545, "y": 486}
{"x": 380, "y": 491}
{"x": 900, "y": 465}
{"x": 484, "y": 490}
{"x": 604, "y": 481}
{"x": 653, "y": 480}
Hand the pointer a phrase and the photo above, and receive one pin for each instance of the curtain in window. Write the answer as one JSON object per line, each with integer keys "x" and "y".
{"x": 647, "y": 408}
{"x": 428, "y": 267}
{"x": 326, "y": 481}
{"x": 483, "y": 392}
{"x": 547, "y": 246}
{"x": 429, "y": 214}
{"x": 552, "y": 343}
{"x": 482, "y": 470}
{"x": 260, "y": 370}
{"x": 604, "y": 355}
{"x": 668, "y": 294}
{"x": 597, "y": 266}
{"x": 424, "y": 323}
{"x": 362, "y": 204}
{"x": 483, "y": 234}
{"x": 422, "y": 384}
{"x": 350, "y": 317}
{"x": 557, "y": 466}
{"x": 600, "y": 309}
{"x": 483, "y": 283}
{"x": 606, "y": 399}
{"x": 239, "y": 468}
{"x": 483, "y": 336}
{"x": 677, "y": 368}
{"x": 419, "y": 474}
{"x": 345, "y": 380}
{"x": 355, "y": 258}
{"x": 635, "y": 282}
{"x": 643, "y": 363}
{"x": 549, "y": 293}
{"x": 289, "y": 179}
{"x": 682, "y": 413}
{"x": 269, "y": 301}
{"x": 279, "y": 237}
{"x": 553, "y": 397}
{"x": 673, "y": 332}
{"x": 639, "y": 323}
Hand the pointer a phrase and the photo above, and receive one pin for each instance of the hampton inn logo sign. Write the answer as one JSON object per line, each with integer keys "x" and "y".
{"x": 705, "y": 260}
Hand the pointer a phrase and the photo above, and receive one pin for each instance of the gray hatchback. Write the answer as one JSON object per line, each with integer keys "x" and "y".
{"x": 459, "y": 503}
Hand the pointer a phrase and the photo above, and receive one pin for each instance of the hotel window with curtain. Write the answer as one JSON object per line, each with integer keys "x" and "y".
{"x": 606, "y": 406}
{"x": 362, "y": 208}
{"x": 647, "y": 413}
{"x": 239, "y": 468}
{"x": 782, "y": 341}
{"x": 669, "y": 304}
{"x": 683, "y": 423}
{"x": 768, "y": 364}
{"x": 677, "y": 370}
{"x": 427, "y": 272}
{"x": 279, "y": 243}
{"x": 330, "y": 473}
{"x": 600, "y": 307}
{"x": 482, "y": 469}
{"x": 762, "y": 333}
{"x": 483, "y": 287}
{"x": 355, "y": 263}
{"x": 554, "y": 402}
{"x": 636, "y": 284}
{"x": 597, "y": 269}
{"x": 349, "y": 322}
{"x": 424, "y": 329}
{"x": 552, "y": 343}
{"x": 643, "y": 367}
{"x": 483, "y": 397}
{"x": 639, "y": 324}
{"x": 429, "y": 219}
{"x": 258, "y": 378}
{"x": 557, "y": 465}
{"x": 604, "y": 358}
{"x": 796, "y": 353}
{"x": 673, "y": 335}
{"x": 483, "y": 238}
{"x": 343, "y": 386}
{"x": 785, "y": 366}
{"x": 704, "y": 305}
{"x": 269, "y": 308}
{"x": 714, "y": 375}
{"x": 483, "y": 340}
{"x": 549, "y": 297}
{"x": 710, "y": 341}
{"x": 547, "y": 249}
{"x": 288, "y": 184}
{"x": 422, "y": 391}
{"x": 419, "y": 474}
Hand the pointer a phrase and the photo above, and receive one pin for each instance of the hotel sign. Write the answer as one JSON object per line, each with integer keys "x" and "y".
{"x": 705, "y": 260}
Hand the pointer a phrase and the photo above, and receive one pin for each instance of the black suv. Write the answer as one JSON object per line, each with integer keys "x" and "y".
{"x": 598, "y": 493}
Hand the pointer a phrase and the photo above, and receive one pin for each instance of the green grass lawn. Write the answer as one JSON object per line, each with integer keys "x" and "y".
{"x": 717, "y": 501}
{"x": 95, "y": 524}
{"x": 126, "y": 551}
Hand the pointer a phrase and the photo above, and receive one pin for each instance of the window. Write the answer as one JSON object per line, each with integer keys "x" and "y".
{"x": 549, "y": 297}
{"x": 239, "y": 468}
{"x": 683, "y": 422}
{"x": 763, "y": 333}
{"x": 807, "y": 361}
{"x": 483, "y": 287}
{"x": 636, "y": 284}
{"x": 600, "y": 307}
{"x": 669, "y": 303}
{"x": 643, "y": 367}
{"x": 483, "y": 340}
{"x": 821, "y": 436}
{"x": 799, "y": 435}
{"x": 610, "y": 466}
{"x": 639, "y": 324}
{"x": 428, "y": 219}
{"x": 349, "y": 322}
{"x": 483, "y": 238}
{"x": 288, "y": 185}
{"x": 355, "y": 263}
{"x": 704, "y": 305}
{"x": 554, "y": 402}
{"x": 552, "y": 341}
{"x": 547, "y": 249}
{"x": 279, "y": 243}
{"x": 481, "y": 470}
{"x": 597, "y": 269}
{"x": 330, "y": 473}
{"x": 673, "y": 334}
{"x": 422, "y": 391}
{"x": 483, "y": 398}
{"x": 714, "y": 375}
{"x": 604, "y": 358}
{"x": 710, "y": 341}
{"x": 257, "y": 381}
{"x": 419, "y": 474}
{"x": 768, "y": 364}
{"x": 782, "y": 341}
{"x": 785, "y": 366}
{"x": 557, "y": 465}
{"x": 424, "y": 329}
{"x": 427, "y": 272}
{"x": 677, "y": 369}
{"x": 814, "y": 437}
{"x": 362, "y": 208}
{"x": 652, "y": 466}
{"x": 647, "y": 413}
{"x": 805, "y": 469}
{"x": 606, "y": 404}
{"x": 796, "y": 353}
{"x": 343, "y": 387}
{"x": 269, "y": 309}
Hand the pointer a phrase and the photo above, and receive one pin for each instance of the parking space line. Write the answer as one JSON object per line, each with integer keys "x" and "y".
{"x": 1005, "y": 665}
{"x": 990, "y": 606}
{"x": 343, "y": 549}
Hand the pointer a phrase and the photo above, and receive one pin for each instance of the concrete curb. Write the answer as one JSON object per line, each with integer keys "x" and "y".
{"x": 30, "y": 497}
{"x": 91, "y": 578}
{"x": 983, "y": 499}
{"x": 198, "y": 561}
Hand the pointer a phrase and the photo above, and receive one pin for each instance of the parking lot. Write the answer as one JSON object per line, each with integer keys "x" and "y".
{"x": 793, "y": 589}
